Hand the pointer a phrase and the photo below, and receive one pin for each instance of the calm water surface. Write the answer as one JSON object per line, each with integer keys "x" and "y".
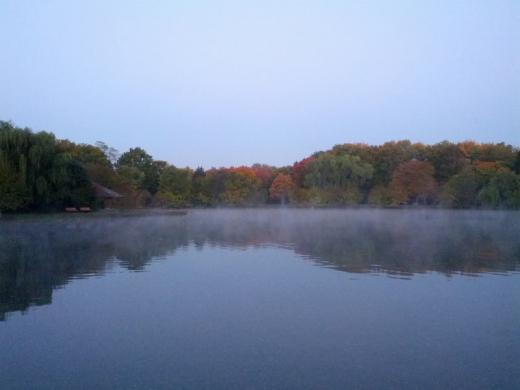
{"x": 263, "y": 299}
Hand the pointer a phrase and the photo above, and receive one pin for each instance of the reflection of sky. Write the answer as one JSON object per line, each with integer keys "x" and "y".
{"x": 230, "y": 83}
{"x": 40, "y": 256}
{"x": 223, "y": 318}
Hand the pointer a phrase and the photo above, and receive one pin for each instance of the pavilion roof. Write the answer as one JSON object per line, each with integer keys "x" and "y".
{"x": 103, "y": 192}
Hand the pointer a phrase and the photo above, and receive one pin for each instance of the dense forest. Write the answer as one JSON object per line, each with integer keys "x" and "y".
{"x": 41, "y": 173}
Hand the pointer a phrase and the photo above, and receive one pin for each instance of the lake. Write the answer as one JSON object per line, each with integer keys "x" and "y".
{"x": 263, "y": 299}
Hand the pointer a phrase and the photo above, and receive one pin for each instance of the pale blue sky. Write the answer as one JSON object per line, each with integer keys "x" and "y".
{"x": 221, "y": 83}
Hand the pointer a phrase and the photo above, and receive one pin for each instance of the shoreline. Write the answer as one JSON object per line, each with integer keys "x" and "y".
{"x": 38, "y": 216}
{"x": 115, "y": 213}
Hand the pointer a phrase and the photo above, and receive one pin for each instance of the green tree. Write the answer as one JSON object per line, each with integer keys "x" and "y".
{"x": 461, "y": 189}
{"x": 138, "y": 158}
{"x": 43, "y": 174}
{"x": 365, "y": 152}
{"x": 516, "y": 164}
{"x": 84, "y": 153}
{"x": 500, "y": 152}
{"x": 337, "y": 171}
{"x": 13, "y": 191}
{"x": 503, "y": 190}
{"x": 78, "y": 189}
{"x": 160, "y": 165}
{"x": 200, "y": 188}
{"x": 447, "y": 159}
{"x": 217, "y": 178}
{"x": 379, "y": 195}
{"x": 299, "y": 171}
{"x": 175, "y": 185}
{"x": 96, "y": 160}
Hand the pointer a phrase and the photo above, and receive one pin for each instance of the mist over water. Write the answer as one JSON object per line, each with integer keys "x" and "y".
{"x": 39, "y": 256}
{"x": 252, "y": 298}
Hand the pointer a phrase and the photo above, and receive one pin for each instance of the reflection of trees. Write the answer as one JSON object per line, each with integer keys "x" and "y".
{"x": 391, "y": 241}
{"x": 37, "y": 257}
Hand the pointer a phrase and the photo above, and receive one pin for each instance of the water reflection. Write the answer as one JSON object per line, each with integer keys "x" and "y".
{"x": 38, "y": 257}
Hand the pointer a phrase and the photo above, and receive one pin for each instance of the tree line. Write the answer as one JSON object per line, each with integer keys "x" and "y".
{"x": 40, "y": 172}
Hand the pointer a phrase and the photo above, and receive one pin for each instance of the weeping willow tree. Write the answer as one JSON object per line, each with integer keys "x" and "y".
{"x": 339, "y": 177}
{"x": 13, "y": 191}
{"x": 502, "y": 191}
{"x": 337, "y": 171}
{"x": 34, "y": 175}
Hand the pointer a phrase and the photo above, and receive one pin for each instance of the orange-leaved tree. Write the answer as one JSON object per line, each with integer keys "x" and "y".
{"x": 413, "y": 180}
{"x": 281, "y": 187}
{"x": 240, "y": 184}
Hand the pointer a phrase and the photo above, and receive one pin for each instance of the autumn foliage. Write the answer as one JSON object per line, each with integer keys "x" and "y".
{"x": 38, "y": 172}
{"x": 240, "y": 183}
{"x": 299, "y": 171}
{"x": 281, "y": 187}
{"x": 413, "y": 181}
